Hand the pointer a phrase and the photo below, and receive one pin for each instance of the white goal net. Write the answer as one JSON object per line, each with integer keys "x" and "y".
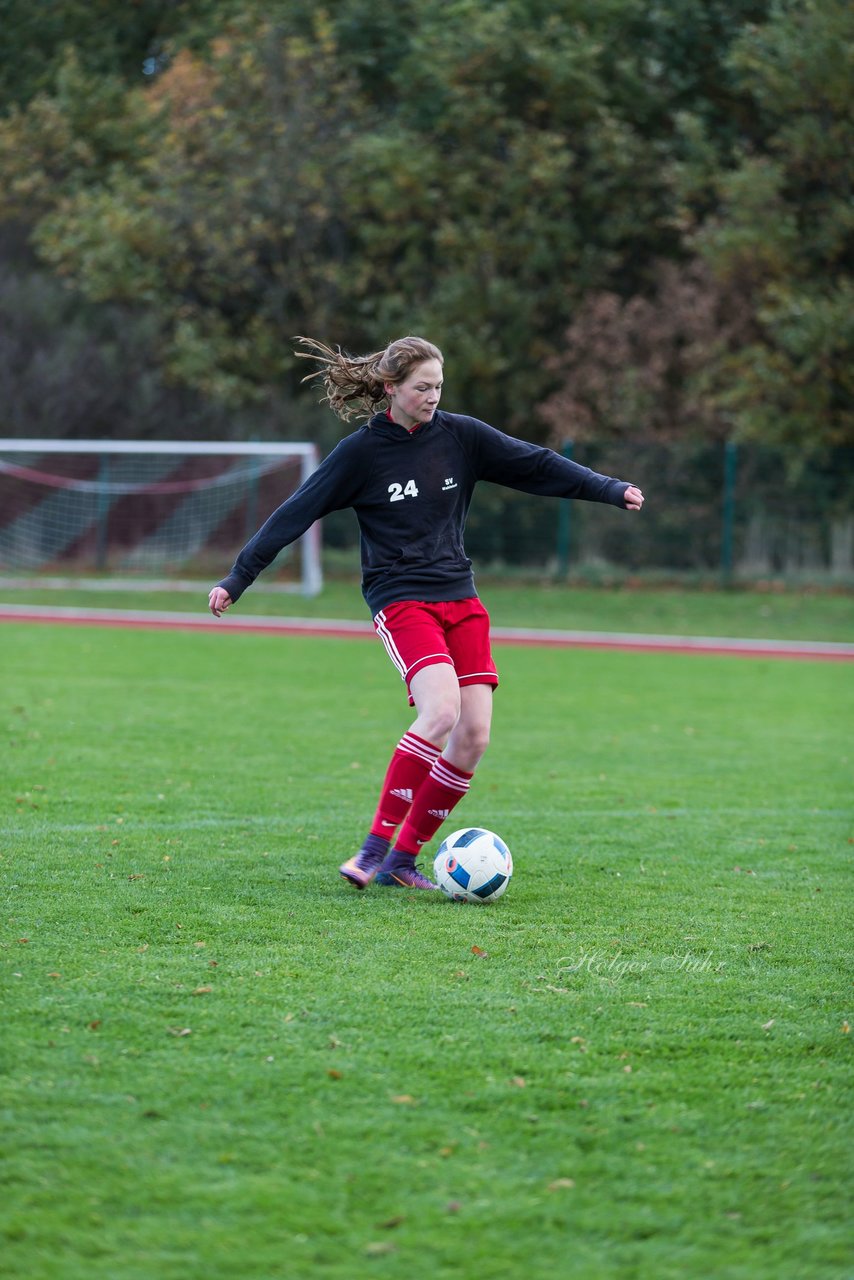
{"x": 144, "y": 510}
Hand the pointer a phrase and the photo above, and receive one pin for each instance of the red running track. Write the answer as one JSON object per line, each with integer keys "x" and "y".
{"x": 142, "y": 619}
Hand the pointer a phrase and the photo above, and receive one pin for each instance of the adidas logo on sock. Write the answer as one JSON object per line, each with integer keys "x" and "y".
{"x": 403, "y": 793}
{"x": 439, "y": 813}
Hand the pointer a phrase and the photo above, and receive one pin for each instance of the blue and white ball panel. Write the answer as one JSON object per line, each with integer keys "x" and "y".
{"x": 473, "y": 865}
{"x": 488, "y": 890}
{"x": 457, "y": 873}
{"x": 462, "y": 839}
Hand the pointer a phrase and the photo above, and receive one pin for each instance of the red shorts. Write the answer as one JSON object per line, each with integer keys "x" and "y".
{"x": 419, "y": 633}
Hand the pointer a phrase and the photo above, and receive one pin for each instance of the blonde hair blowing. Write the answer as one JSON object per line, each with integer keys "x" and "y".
{"x": 351, "y": 383}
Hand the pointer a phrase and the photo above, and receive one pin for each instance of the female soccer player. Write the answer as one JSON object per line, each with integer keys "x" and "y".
{"x": 409, "y": 473}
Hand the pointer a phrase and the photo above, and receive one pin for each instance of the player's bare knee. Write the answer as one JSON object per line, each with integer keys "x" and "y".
{"x": 480, "y": 741}
{"x": 468, "y": 744}
{"x": 439, "y": 720}
{"x": 446, "y": 719}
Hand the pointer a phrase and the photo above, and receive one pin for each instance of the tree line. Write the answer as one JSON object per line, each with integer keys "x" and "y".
{"x": 618, "y": 219}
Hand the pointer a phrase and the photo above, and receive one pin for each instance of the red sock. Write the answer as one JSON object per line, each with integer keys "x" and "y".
{"x": 440, "y": 792}
{"x": 409, "y": 766}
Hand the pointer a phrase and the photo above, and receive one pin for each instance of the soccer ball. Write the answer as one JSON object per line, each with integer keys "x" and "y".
{"x": 473, "y": 865}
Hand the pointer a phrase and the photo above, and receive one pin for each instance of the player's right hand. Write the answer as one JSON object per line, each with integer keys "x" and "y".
{"x": 218, "y": 601}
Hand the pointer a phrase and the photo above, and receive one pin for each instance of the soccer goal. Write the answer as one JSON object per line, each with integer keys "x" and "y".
{"x": 148, "y": 510}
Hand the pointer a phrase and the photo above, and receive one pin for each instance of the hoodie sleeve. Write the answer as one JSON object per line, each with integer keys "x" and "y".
{"x": 331, "y": 487}
{"x": 517, "y": 464}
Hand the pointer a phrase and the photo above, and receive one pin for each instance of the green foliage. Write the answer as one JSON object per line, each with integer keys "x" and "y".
{"x": 224, "y": 220}
{"x": 109, "y": 38}
{"x": 67, "y": 141}
{"x": 124, "y": 41}
{"x": 71, "y": 368}
{"x": 782, "y": 230}
{"x": 510, "y": 179}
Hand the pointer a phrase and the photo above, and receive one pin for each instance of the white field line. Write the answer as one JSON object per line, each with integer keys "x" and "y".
{"x": 285, "y": 822}
{"x": 151, "y": 618}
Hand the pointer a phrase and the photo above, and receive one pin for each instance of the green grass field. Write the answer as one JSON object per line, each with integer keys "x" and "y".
{"x": 218, "y": 1061}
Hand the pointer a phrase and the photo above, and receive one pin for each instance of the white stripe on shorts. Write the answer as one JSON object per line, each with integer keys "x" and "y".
{"x": 390, "y": 647}
{"x": 426, "y": 660}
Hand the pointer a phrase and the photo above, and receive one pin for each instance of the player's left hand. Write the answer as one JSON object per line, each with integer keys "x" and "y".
{"x": 218, "y": 601}
{"x": 633, "y": 498}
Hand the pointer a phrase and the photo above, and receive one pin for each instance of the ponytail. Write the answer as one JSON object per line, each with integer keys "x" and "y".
{"x": 351, "y": 383}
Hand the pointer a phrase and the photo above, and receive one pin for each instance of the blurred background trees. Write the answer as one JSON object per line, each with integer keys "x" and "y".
{"x": 619, "y": 220}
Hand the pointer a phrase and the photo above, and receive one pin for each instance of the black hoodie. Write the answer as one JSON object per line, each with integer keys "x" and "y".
{"x": 411, "y": 493}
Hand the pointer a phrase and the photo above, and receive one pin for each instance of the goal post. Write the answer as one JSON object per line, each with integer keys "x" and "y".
{"x": 144, "y": 509}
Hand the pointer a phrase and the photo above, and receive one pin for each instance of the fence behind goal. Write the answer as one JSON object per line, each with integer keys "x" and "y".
{"x": 146, "y": 510}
